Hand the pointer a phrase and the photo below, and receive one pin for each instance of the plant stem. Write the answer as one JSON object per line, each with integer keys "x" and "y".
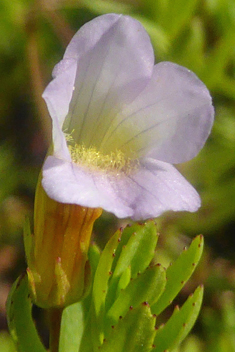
{"x": 55, "y": 315}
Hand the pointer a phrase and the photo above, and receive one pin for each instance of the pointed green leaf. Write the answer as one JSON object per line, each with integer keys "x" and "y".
{"x": 139, "y": 250}
{"x": 178, "y": 273}
{"x": 102, "y": 274}
{"x": 124, "y": 280}
{"x": 20, "y": 322}
{"x": 180, "y": 323}
{"x": 86, "y": 344}
{"x": 76, "y": 322}
{"x": 100, "y": 287}
{"x": 135, "y": 251}
{"x": 147, "y": 287}
{"x": 126, "y": 234}
{"x": 134, "y": 333}
{"x": 72, "y": 328}
{"x": 94, "y": 257}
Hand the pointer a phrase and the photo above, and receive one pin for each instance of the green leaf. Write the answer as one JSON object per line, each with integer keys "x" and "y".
{"x": 72, "y": 328}
{"x": 100, "y": 287}
{"x": 180, "y": 323}
{"x": 94, "y": 257}
{"x": 20, "y": 320}
{"x": 126, "y": 234}
{"x": 139, "y": 250}
{"x": 147, "y": 287}
{"x": 76, "y": 319}
{"x": 135, "y": 251}
{"x": 178, "y": 273}
{"x": 134, "y": 333}
{"x": 87, "y": 342}
{"x": 124, "y": 280}
{"x": 102, "y": 274}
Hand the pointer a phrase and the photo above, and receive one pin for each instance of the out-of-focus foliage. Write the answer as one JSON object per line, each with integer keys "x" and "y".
{"x": 198, "y": 34}
{"x": 6, "y": 343}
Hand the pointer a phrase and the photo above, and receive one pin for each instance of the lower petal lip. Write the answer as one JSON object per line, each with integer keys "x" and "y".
{"x": 156, "y": 187}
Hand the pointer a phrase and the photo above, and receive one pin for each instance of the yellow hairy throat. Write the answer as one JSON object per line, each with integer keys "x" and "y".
{"x": 115, "y": 161}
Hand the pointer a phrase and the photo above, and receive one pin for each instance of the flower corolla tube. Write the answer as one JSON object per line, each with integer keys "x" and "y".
{"x": 120, "y": 122}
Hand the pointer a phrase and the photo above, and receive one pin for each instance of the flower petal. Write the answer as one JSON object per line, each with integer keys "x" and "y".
{"x": 58, "y": 93}
{"x": 156, "y": 187}
{"x": 159, "y": 187}
{"x": 170, "y": 120}
{"x": 68, "y": 183}
{"x": 111, "y": 74}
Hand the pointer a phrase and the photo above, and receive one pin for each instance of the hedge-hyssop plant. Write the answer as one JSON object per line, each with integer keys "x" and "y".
{"x": 119, "y": 122}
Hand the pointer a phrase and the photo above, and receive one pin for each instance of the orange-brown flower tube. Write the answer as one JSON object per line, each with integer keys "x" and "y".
{"x": 58, "y": 268}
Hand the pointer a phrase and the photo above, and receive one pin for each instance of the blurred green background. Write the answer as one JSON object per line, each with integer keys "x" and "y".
{"x": 198, "y": 34}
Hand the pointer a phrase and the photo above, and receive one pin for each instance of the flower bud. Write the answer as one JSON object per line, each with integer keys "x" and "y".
{"x": 58, "y": 267}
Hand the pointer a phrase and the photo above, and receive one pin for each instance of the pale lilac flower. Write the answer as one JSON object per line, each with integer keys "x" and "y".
{"x": 119, "y": 122}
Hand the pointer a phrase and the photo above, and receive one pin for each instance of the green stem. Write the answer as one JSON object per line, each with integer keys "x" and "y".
{"x": 55, "y": 315}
